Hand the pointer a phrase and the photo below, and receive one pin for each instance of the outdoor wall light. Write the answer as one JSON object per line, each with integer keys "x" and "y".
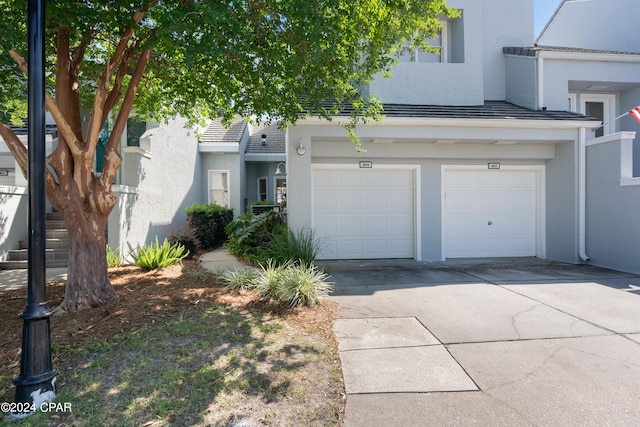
{"x": 300, "y": 149}
{"x": 280, "y": 171}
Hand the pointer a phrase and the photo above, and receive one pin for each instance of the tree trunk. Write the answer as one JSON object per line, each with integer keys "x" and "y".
{"x": 88, "y": 284}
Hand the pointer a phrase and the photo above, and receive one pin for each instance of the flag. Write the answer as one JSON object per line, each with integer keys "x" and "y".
{"x": 635, "y": 113}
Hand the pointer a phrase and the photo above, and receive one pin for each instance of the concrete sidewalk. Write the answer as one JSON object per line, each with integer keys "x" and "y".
{"x": 15, "y": 279}
{"x": 217, "y": 260}
{"x": 487, "y": 342}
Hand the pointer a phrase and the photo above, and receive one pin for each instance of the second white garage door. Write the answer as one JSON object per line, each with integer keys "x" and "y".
{"x": 364, "y": 213}
{"x": 491, "y": 213}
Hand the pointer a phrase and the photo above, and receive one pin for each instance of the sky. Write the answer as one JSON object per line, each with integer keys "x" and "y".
{"x": 542, "y": 11}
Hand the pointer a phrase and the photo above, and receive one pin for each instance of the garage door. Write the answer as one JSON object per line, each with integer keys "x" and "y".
{"x": 490, "y": 213}
{"x": 364, "y": 213}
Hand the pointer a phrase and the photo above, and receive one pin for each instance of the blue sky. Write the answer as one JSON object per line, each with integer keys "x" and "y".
{"x": 542, "y": 11}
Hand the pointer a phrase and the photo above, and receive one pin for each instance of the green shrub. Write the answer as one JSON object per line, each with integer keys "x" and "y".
{"x": 293, "y": 285}
{"x": 269, "y": 279}
{"x": 243, "y": 278}
{"x": 299, "y": 246}
{"x": 209, "y": 222}
{"x": 249, "y": 236}
{"x": 151, "y": 257}
{"x": 302, "y": 285}
{"x": 113, "y": 257}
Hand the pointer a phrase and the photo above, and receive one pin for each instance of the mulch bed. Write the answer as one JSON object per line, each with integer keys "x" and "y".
{"x": 144, "y": 297}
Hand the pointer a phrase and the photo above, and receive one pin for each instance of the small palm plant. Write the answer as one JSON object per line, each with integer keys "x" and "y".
{"x": 156, "y": 256}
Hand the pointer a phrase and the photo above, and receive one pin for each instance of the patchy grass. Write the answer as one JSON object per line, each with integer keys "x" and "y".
{"x": 222, "y": 358}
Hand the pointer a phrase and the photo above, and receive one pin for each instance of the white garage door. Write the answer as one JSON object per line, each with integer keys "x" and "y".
{"x": 490, "y": 213}
{"x": 364, "y": 213}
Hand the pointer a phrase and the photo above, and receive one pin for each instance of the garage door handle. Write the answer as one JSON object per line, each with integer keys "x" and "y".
{"x": 490, "y": 223}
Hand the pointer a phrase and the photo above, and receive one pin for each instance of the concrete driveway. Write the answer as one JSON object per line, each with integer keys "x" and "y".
{"x": 490, "y": 342}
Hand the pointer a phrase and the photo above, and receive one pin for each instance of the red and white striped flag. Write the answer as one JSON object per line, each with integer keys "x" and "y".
{"x": 635, "y": 113}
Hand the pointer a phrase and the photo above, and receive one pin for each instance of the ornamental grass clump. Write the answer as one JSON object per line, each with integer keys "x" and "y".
{"x": 113, "y": 257}
{"x": 156, "y": 256}
{"x": 302, "y": 285}
{"x": 270, "y": 278}
{"x": 240, "y": 279}
{"x": 292, "y": 284}
{"x": 299, "y": 246}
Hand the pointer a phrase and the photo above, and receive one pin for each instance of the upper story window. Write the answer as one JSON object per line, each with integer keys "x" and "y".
{"x": 135, "y": 129}
{"x": 598, "y": 106}
{"x": 449, "y": 41}
{"x": 439, "y": 42}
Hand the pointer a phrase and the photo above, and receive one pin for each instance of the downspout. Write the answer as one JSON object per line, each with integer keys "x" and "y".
{"x": 582, "y": 191}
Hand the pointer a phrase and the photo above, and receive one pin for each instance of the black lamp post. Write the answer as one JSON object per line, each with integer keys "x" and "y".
{"x": 36, "y": 383}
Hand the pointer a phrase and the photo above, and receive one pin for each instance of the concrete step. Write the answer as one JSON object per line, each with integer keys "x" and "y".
{"x": 55, "y": 223}
{"x": 54, "y": 216}
{"x": 57, "y": 233}
{"x": 56, "y": 246}
{"x": 23, "y": 264}
{"x": 50, "y": 254}
{"x": 50, "y": 244}
{"x": 13, "y": 265}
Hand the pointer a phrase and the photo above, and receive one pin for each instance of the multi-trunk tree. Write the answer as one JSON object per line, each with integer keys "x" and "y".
{"x": 200, "y": 59}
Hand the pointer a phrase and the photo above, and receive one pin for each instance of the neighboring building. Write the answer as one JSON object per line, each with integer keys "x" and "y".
{"x": 172, "y": 168}
{"x": 164, "y": 169}
{"x": 594, "y": 68}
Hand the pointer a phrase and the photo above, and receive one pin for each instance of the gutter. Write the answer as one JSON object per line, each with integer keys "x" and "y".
{"x": 582, "y": 184}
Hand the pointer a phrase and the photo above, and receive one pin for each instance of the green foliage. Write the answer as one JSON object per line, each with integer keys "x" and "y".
{"x": 113, "y": 257}
{"x": 249, "y": 236}
{"x": 262, "y": 202}
{"x": 302, "y": 285}
{"x": 242, "y": 278}
{"x": 208, "y": 222}
{"x": 300, "y": 246}
{"x": 289, "y": 284}
{"x": 270, "y": 278}
{"x": 267, "y": 59}
{"x": 292, "y": 285}
{"x": 156, "y": 256}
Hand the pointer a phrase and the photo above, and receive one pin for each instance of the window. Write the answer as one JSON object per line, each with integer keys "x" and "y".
{"x": 420, "y": 55}
{"x": 449, "y": 41}
{"x": 135, "y": 129}
{"x": 595, "y": 110}
{"x": 219, "y": 188}
{"x": 281, "y": 190}
{"x": 262, "y": 189}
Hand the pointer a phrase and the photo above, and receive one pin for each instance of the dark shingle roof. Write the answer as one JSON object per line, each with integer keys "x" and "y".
{"x": 531, "y": 51}
{"x": 489, "y": 110}
{"x": 216, "y": 132}
{"x": 274, "y": 141}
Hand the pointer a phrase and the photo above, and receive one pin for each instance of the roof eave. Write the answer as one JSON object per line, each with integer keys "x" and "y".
{"x": 510, "y": 123}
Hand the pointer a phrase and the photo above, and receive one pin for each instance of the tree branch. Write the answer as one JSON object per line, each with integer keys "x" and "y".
{"x": 16, "y": 147}
{"x": 63, "y": 127}
{"x": 112, "y": 158}
{"x": 116, "y": 90}
{"x": 97, "y": 111}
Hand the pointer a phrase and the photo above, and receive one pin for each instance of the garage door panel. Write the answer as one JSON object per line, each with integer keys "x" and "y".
{"x": 364, "y": 213}
{"x": 490, "y": 213}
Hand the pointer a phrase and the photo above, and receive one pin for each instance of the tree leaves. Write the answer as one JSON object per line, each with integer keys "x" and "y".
{"x": 267, "y": 58}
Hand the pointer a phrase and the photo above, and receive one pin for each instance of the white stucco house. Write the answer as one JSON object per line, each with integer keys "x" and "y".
{"x": 481, "y": 153}
{"x": 492, "y": 148}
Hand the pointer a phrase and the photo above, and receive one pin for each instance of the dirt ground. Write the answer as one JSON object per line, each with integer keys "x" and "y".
{"x": 143, "y": 297}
